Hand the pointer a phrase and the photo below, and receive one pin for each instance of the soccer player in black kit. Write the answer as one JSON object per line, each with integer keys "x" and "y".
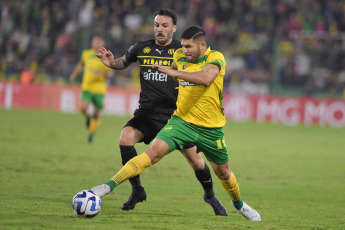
{"x": 156, "y": 104}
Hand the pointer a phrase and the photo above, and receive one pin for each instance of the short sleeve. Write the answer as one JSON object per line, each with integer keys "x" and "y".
{"x": 132, "y": 53}
{"x": 216, "y": 58}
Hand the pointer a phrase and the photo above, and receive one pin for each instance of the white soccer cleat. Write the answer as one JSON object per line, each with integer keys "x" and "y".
{"x": 248, "y": 212}
{"x": 101, "y": 190}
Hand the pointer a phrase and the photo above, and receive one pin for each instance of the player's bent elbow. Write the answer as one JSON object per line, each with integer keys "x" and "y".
{"x": 207, "y": 82}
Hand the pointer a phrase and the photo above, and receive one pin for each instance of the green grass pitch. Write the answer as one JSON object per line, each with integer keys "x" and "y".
{"x": 293, "y": 176}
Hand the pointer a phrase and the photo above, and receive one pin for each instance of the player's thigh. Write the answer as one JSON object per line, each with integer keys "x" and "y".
{"x": 98, "y": 101}
{"x": 212, "y": 143}
{"x": 85, "y": 100}
{"x": 177, "y": 133}
{"x": 147, "y": 124}
{"x": 193, "y": 158}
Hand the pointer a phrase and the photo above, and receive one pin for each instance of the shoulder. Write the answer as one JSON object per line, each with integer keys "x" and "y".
{"x": 216, "y": 57}
{"x": 175, "y": 44}
{"x": 141, "y": 46}
{"x": 215, "y": 54}
{"x": 179, "y": 53}
{"x": 86, "y": 53}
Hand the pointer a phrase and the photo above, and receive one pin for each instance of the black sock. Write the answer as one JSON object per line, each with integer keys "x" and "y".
{"x": 127, "y": 153}
{"x": 205, "y": 179}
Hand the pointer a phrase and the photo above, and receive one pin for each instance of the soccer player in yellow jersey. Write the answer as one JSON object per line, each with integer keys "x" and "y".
{"x": 93, "y": 84}
{"x": 198, "y": 118}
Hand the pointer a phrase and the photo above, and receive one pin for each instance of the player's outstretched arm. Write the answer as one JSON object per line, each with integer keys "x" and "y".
{"x": 107, "y": 58}
{"x": 204, "y": 77}
{"x": 77, "y": 70}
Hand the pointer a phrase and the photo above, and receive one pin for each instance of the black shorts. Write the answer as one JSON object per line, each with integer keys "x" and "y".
{"x": 150, "y": 124}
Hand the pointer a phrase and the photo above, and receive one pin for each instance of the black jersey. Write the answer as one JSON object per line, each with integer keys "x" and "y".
{"x": 158, "y": 91}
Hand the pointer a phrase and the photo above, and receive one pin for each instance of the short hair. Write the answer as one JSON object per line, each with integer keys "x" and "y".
{"x": 98, "y": 35}
{"x": 167, "y": 12}
{"x": 193, "y": 32}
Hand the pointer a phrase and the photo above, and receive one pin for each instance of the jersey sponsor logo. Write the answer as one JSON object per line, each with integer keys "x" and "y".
{"x": 151, "y": 61}
{"x": 155, "y": 76}
{"x": 159, "y": 51}
{"x": 186, "y": 83}
{"x": 147, "y": 50}
{"x": 184, "y": 67}
{"x": 171, "y": 51}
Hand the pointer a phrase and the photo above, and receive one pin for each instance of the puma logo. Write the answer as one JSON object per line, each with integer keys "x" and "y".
{"x": 159, "y": 51}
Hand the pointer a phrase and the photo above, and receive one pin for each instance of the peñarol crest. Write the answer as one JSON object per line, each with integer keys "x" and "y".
{"x": 147, "y": 50}
{"x": 171, "y": 51}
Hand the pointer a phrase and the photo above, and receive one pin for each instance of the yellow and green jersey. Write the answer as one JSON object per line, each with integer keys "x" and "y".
{"x": 198, "y": 104}
{"x": 94, "y": 77}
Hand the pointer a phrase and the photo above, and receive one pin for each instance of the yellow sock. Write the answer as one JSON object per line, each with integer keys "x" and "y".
{"x": 94, "y": 124}
{"x": 132, "y": 168}
{"x": 231, "y": 187}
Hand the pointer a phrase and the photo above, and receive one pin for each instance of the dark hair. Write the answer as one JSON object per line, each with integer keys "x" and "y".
{"x": 167, "y": 12}
{"x": 193, "y": 32}
{"x": 98, "y": 35}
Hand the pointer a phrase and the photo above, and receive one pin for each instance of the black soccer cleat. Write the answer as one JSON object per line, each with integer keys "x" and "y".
{"x": 138, "y": 195}
{"x": 218, "y": 208}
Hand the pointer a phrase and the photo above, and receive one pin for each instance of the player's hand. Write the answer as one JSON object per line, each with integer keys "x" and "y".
{"x": 106, "y": 57}
{"x": 170, "y": 72}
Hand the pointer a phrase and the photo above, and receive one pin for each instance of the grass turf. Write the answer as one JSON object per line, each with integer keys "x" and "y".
{"x": 294, "y": 177}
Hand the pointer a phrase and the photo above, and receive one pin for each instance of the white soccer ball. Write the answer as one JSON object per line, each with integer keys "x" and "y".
{"x": 86, "y": 204}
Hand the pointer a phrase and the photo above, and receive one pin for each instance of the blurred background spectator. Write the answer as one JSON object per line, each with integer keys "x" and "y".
{"x": 271, "y": 46}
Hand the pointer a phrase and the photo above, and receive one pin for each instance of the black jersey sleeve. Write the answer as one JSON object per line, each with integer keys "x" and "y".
{"x": 132, "y": 53}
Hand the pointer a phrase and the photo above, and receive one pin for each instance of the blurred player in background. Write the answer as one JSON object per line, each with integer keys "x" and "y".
{"x": 199, "y": 118}
{"x": 93, "y": 87}
{"x": 156, "y": 104}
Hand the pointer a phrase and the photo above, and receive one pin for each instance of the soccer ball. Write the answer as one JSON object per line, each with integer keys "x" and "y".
{"x": 86, "y": 204}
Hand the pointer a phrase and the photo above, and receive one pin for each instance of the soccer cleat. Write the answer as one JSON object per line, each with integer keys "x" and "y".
{"x": 90, "y": 138}
{"x": 101, "y": 190}
{"x": 248, "y": 212}
{"x": 218, "y": 208}
{"x": 138, "y": 195}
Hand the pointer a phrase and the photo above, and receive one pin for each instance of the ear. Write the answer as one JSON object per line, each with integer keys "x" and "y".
{"x": 203, "y": 44}
{"x": 174, "y": 28}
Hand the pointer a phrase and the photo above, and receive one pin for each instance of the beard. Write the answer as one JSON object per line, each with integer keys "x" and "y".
{"x": 167, "y": 38}
{"x": 195, "y": 57}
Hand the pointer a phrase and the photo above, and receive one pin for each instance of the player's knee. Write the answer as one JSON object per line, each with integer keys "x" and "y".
{"x": 223, "y": 174}
{"x": 127, "y": 138}
{"x": 96, "y": 115}
{"x": 223, "y": 177}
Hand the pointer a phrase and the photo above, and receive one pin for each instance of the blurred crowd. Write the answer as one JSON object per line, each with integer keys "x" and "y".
{"x": 298, "y": 45}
